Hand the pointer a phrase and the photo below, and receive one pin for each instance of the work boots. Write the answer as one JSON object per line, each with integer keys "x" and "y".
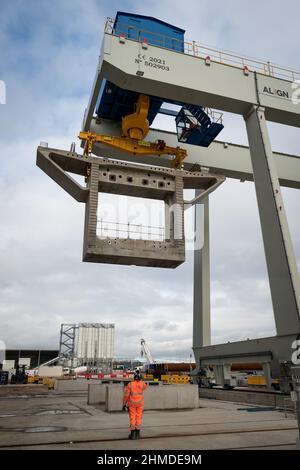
{"x": 134, "y": 434}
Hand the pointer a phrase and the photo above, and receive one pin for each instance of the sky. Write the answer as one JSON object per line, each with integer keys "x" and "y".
{"x": 49, "y": 52}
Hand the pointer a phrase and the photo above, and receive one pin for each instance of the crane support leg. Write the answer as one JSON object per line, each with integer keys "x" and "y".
{"x": 281, "y": 265}
{"x": 280, "y": 257}
{"x": 201, "y": 314}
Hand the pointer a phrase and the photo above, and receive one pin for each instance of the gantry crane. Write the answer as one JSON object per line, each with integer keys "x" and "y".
{"x": 153, "y": 61}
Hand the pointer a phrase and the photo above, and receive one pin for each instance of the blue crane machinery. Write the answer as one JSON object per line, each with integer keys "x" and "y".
{"x": 136, "y": 112}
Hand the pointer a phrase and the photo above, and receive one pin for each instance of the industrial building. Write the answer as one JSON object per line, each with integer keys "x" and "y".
{"x": 87, "y": 344}
{"x": 82, "y": 344}
{"x": 31, "y": 358}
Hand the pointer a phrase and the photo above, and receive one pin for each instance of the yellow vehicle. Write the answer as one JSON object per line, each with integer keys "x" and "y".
{"x": 260, "y": 381}
{"x": 50, "y": 382}
{"x": 148, "y": 376}
{"x": 33, "y": 379}
{"x": 175, "y": 379}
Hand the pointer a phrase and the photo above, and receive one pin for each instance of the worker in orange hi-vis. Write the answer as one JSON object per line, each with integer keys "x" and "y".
{"x": 134, "y": 400}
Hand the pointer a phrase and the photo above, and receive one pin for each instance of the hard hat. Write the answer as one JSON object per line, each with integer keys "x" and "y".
{"x": 137, "y": 375}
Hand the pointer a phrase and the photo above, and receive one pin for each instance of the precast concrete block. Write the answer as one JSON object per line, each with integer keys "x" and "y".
{"x": 114, "y": 397}
{"x": 96, "y": 393}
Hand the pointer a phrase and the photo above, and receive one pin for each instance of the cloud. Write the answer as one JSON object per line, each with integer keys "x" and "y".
{"x": 49, "y": 55}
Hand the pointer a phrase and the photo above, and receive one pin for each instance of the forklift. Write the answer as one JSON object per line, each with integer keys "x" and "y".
{"x": 20, "y": 377}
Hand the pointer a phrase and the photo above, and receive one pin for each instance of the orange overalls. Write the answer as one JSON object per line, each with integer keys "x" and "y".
{"x": 133, "y": 398}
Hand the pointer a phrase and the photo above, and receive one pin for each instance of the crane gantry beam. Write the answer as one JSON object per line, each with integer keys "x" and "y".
{"x": 189, "y": 79}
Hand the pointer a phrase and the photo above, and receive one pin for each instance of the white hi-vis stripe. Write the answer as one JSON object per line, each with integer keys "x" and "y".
{"x": 136, "y": 402}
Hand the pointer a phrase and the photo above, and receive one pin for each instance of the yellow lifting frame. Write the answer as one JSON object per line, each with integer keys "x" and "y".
{"x": 134, "y": 146}
{"x": 135, "y": 127}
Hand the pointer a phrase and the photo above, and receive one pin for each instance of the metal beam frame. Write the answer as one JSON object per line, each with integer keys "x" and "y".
{"x": 230, "y": 160}
{"x": 271, "y": 349}
{"x": 67, "y": 342}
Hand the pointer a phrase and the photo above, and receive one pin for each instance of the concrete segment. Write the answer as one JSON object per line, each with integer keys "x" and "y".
{"x": 96, "y": 393}
{"x": 166, "y": 397}
{"x": 140, "y": 181}
{"x": 114, "y": 397}
{"x": 276, "y": 400}
{"x": 129, "y": 179}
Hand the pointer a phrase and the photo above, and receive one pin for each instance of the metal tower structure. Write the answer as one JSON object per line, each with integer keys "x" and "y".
{"x": 67, "y": 342}
{"x": 135, "y": 62}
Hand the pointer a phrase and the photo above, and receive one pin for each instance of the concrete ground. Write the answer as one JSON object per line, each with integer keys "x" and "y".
{"x": 65, "y": 421}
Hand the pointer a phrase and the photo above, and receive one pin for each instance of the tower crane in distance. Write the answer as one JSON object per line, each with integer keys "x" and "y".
{"x": 145, "y": 351}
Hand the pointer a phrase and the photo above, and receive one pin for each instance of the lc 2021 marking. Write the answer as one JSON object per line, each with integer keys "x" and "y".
{"x": 157, "y": 63}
